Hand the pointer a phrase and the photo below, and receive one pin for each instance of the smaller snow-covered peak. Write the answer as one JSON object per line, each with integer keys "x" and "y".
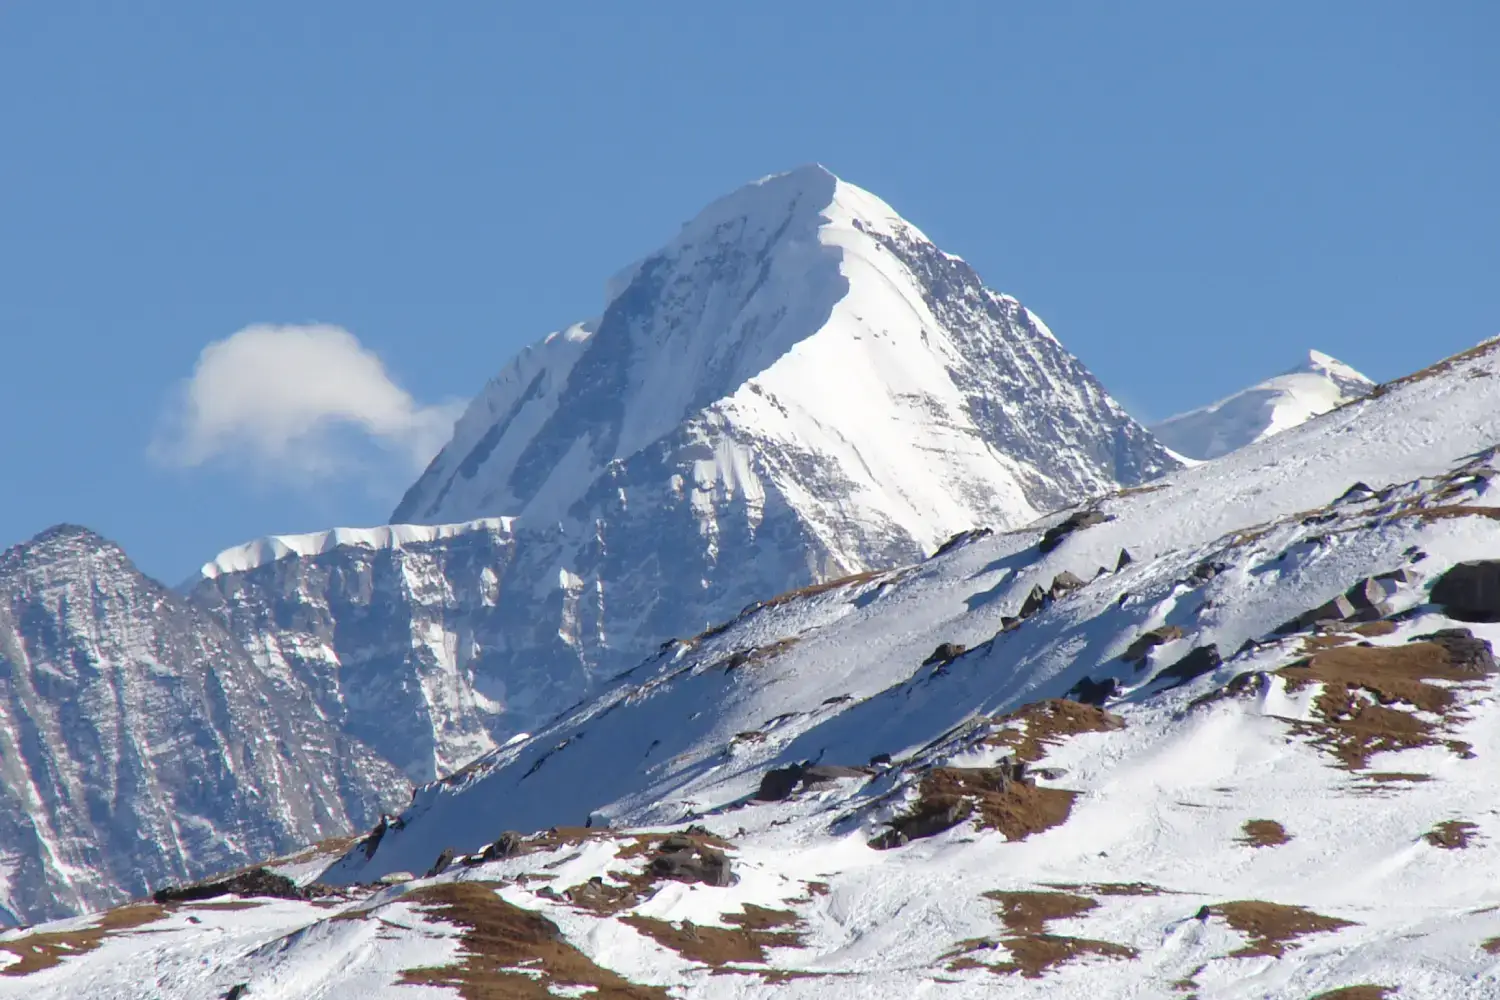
{"x": 1319, "y": 384}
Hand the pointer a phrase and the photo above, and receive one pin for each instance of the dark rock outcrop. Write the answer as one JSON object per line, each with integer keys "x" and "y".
{"x": 1143, "y": 644}
{"x": 255, "y": 882}
{"x": 1058, "y": 533}
{"x": 945, "y": 653}
{"x": 1201, "y": 660}
{"x": 1470, "y": 591}
{"x": 1091, "y": 692}
{"x": 1465, "y": 650}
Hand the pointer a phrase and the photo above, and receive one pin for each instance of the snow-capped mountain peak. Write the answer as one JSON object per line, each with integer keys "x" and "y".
{"x": 1319, "y": 384}
{"x": 801, "y": 310}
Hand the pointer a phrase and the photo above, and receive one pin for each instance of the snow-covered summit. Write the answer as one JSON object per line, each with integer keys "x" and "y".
{"x": 802, "y": 315}
{"x": 1319, "y": 384}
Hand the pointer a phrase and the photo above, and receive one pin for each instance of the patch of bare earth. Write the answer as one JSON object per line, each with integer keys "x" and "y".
{"x": 1111, "y": 888}
{"x": 1351, "y": 726}
{"x": 1452, "y": 835}
{"x": 1031, "y": 949}
{"x": 754, "y": 930}
{"x": 44, "y": 949}
{"x": 1263, "y": 833}
{"x": 1492, "y": 946}
{"x": 500, "y": 940}
{"x": 1365, "y": 991}
{"x": 1033, "y": 729}
{"x": 1272, "y": 927}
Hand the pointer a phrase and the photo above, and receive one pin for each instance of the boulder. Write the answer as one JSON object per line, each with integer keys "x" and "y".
{"x": 700, "y": 864}
{"x": 1144, "y": 643}
{"x": 1124, "y": 560}
{"x": 945, "y": 653}
{"x": 930, "y": 819}
{"x": 507, "y": 845}
{"x": 779, "y": 783}
{"x": 1465, "y": 650}
{"x": 1035, "y": 601}
{"x": 441, "y": 864}
{"x": 1470, "y": 591}
{"x": 1091, "y": 692}
{"x": 1055, "y": 535}
{"x": 1064, "y": 583}
{"x": 1199, "y": 661}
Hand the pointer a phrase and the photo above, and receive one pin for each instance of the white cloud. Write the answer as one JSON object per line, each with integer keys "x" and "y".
{"x": 284, "y": 398}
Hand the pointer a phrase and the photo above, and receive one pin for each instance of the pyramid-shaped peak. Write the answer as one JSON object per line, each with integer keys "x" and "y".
{"x": 1319, "y": 363}
{"x": 810, "y": 195}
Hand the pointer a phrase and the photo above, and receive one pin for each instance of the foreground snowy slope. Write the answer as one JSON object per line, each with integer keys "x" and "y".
{"x": 797, "y": 387}
{"x": 1309, "y": 808}
{"x": 1316, "y": 386}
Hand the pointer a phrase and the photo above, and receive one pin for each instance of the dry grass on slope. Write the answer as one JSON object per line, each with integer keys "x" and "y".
{"x": 44, "y": 949}
{"x": 1031, "y": 949}
{"x": 509, "y": 953}
{"x": 1032, "y": 730}
{"x": 1271, "y": 927}
{"x": 1264, "y": 833}
{"x": 1351, "y": 726}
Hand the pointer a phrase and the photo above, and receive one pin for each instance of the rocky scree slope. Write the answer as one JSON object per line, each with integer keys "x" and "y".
{"x": 799, "y": 386}
{"x": 1270, "y": 779}
{"x": 140, "y": 744}
{"x": 1321, "y": 383}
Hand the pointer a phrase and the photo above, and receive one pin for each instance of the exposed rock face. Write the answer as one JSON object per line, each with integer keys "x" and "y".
{"x": 140, "y": 745}
{"x": 386, "y": 630}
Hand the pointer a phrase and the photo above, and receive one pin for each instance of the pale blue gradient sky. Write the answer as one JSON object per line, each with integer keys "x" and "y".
{"x": 1189, "y": 194}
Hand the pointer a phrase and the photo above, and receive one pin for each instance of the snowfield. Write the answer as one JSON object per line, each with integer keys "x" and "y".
{"x": 1310, "y": 808}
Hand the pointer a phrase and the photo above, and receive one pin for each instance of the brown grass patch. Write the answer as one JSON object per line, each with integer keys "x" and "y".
{"x": 1452, "y": 835}
{"x": 1365, "y": 991}
{"x": 1444, "y": 513}
{"x": 497, "y": 938}
{"x": 1492, "y": 946}
{"x": 1032, "y": 949}
{"x": 1350, "y": 727}
{"x": 1030, "y": 730}
{"x": 1111, "y": 888}
{"x": 755, "y": 930}
{"x": 226, "y": 904}
{"x": 1017, "y": 811}
{"x": 1388, "y": 777}
{"x": 44, "y": 949}
{"x": 1264, "y": 833}
{"x": 1272, "y": 927}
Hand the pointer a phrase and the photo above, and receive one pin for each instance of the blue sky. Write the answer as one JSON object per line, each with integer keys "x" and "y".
{"x": 1190, "y": 195}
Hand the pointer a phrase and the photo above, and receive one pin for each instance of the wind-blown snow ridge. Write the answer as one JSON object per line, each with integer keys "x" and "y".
{"x": 253, "y": 555}
{"x": 1321, "y": 383}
